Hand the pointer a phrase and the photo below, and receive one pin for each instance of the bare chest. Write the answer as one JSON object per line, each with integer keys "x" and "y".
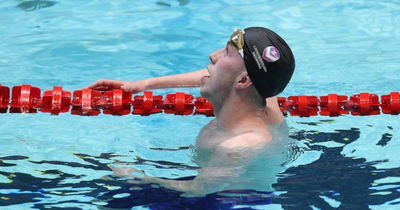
{"x": 210, "y": 136}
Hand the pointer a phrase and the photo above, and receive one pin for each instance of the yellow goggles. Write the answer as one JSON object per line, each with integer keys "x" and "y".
{"x": 237, "y": 40}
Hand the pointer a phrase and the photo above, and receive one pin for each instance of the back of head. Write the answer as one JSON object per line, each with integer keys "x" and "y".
{"x": 268, "y": 59}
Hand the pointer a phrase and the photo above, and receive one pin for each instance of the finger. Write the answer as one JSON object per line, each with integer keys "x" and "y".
{"x": 121, "y": 171}
{"x": 102, "y": 82}
{"x": 135, "y": 181}
{"x": 94, "y": 84}
{"x": 107, "y": 177}
{"x": 102, "y": 88}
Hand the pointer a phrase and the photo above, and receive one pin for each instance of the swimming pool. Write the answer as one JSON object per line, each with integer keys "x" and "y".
{"x": 57, "y": 162}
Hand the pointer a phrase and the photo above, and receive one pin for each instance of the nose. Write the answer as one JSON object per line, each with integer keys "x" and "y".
{"x": 213, "y": 58}
{"x": 215, "y": 55}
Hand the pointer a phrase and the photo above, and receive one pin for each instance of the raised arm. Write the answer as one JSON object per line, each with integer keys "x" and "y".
{"x": 191, "y": 79}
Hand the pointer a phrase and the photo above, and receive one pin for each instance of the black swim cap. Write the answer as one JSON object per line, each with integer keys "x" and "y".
{"x": 268, "y": 60}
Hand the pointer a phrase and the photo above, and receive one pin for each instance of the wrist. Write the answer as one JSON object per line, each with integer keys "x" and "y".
{"x": 147, "y": 84}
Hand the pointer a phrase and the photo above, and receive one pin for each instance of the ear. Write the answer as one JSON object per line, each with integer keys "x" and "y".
{"x": 243, "y": 81}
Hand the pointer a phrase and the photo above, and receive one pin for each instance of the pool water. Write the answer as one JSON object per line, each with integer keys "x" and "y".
{"x": 59, "y": 162}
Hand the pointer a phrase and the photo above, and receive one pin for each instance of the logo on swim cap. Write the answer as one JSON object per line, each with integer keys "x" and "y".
{"x": 271, "y": 54}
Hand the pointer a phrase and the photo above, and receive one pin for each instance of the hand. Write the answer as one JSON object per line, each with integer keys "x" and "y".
{"x": 107, "y": 84}
{"x": 138, "y": 176}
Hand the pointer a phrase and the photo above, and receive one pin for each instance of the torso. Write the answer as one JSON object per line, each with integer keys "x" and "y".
{"x": 211, "y": 136}
{"x": 267, "y": 159}
{"x": 208, "y": 139}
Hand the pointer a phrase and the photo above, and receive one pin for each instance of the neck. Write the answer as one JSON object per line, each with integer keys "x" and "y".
{"x": 236, "y": 114}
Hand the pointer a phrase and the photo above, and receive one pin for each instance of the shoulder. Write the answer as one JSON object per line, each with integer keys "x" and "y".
{"x": 211, "y": 124}
{"x": 246, "y": 140}
{"x": 243, "y": 147}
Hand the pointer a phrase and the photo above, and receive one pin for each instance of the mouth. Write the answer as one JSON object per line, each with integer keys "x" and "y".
{"x": 206, "y": 76}
{"x": 209, "y": 74}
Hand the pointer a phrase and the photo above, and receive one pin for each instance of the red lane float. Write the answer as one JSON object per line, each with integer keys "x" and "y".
{"x": 391, "y": 103}
{"x": 365, "y": 104}
{"x": 4, "y": 98}
{"x": 178, "y": 103}
{"x": 27, "y": 99}
{"x": 333, "y": 105}
{"x": 84, "y": 101}
{"x": 203, "y": 106}
{"x": 284, "y": 105}
{"x": 147, "y": 104}
{"x": 304, "y": 106}
{"x": 56, "y": 101}
{"x": 117, "y": 102}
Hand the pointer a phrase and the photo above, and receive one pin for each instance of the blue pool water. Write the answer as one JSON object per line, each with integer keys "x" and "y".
{"x": 58, "y": 162}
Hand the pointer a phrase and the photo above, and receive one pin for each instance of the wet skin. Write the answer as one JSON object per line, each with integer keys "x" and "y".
{"x": 232, "y": 149}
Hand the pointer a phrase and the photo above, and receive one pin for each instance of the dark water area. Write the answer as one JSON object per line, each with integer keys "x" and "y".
{"x": 345, "y": 180}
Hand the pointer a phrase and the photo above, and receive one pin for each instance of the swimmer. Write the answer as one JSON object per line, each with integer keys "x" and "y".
{"x": 241, "y": 81}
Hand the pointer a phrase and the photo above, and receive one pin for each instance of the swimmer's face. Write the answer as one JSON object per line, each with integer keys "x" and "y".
{"x": 225, "y": 66}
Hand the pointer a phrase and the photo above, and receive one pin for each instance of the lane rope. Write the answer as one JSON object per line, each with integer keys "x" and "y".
{"x": 88, "y": 102}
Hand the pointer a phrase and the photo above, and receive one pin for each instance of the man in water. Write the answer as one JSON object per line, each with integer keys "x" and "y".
{"x": 241, "y": 81}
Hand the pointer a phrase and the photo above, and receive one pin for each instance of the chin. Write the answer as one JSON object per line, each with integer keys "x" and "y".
{"x": 204, "y": 93}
